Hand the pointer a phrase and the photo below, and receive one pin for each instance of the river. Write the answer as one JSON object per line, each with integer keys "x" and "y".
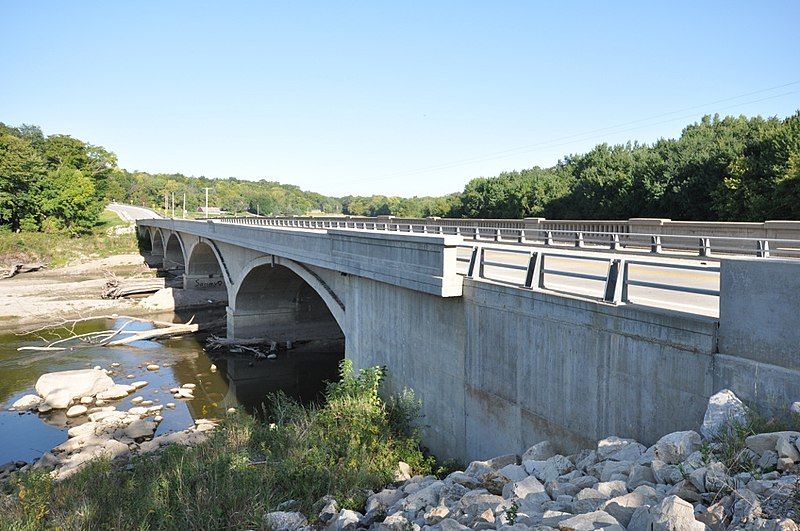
{"x": 239, "y": 381}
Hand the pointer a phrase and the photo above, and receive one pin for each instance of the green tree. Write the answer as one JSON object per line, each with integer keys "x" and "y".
{"x": 21, "y": 170}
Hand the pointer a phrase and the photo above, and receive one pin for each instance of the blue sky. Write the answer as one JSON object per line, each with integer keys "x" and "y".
{"x": 402, "y": 98}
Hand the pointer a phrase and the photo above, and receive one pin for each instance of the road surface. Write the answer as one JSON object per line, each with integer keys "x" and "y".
{"x": 132, "y": 213}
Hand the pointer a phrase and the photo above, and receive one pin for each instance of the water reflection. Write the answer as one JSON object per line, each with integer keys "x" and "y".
{"x": 240, "y": 380}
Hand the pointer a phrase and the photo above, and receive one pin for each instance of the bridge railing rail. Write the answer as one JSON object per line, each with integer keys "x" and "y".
{"x": 555, "y": 234}
{"x": 616, "y": 280}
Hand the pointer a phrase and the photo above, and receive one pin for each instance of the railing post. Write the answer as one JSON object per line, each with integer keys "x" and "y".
{"x": 705, "y": 247}
{"x": 534, "y": 273}
{"x": 497, "y": 235}
{"x": 476, "y": 262}
{"x": 521, "y": 236}
{"x": 548, "y": 238}
{"x": 655, "y": 244}
{"x": 616, "y": 281}
{"x": 578, "y": 239}
{"x": 762, "y": 248}
{"x": 615, "y": 243}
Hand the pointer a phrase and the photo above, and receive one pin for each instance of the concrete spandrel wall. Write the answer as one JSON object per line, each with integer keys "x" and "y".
{"x": 759, "y": 331}
{"x": 420, "y": 338}
{"x": 503, "y": 368}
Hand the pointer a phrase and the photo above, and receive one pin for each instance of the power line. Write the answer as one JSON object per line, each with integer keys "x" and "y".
{"x": 556, "y": 142}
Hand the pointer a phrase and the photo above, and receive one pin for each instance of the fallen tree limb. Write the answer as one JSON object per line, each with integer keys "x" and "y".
{"x": 155, "y": 333}
{"x": 17, "y": 269}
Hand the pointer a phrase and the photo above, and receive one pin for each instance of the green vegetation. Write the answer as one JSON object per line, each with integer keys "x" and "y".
{"x": 245, "y": 469}
{"x": 106, "y": 238}
{"x": 732, "y": 168}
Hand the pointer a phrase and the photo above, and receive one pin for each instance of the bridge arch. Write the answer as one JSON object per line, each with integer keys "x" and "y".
{"x": 174, "y": 252}
{"x": 156, "y": 242}
{"x": 205, "y": 267}
{"x": 279, "y": 298}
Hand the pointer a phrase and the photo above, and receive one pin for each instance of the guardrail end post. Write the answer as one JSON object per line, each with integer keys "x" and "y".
{"x": 705, "y": 247}
{"x": 615, "y": 243}
{"x": 615, "y": 282}
{"x": 762, "y": 249}
{"x": 534, "y": 272}
{"x": 475, "y": 262}
{"x": 655, "y": 244}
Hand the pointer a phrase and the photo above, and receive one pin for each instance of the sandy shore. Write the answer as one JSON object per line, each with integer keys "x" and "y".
{"x": 74, "y": 291}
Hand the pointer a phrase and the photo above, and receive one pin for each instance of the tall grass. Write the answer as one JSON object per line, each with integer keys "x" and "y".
{"x": 245, "y": 469}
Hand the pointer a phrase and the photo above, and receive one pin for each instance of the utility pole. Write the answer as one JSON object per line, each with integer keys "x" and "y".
{"x": 206, "y": 201}
{"x": 258, "y": 209}
{"x": 184, "y": 205}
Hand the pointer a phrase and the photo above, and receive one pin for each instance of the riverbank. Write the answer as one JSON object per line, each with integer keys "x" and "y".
{"x": 347, "y": 448}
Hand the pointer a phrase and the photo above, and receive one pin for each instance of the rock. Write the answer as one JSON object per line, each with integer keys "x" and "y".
{"x": 27, "y": 403}
{"x": 284, "y": 521}
{"x": 154, "y": 367}
{"x": 714, "y": 517}
{"x": 611, "y": 489}
{"x": 329, "y": 510}
{"x": 44, "y": 408}
{"x": 170, "y": 405}
{"x": 502, "y": 460}
{"x": 552, "y": 468}
{"x": 675, "y": 447}
{"x": 189, "y": 386}
{"x": 610, "y": 468}
{"x": 724, "y": 409}
{"x": 786, "y": 449}
{"x": 59, "y": 388}
{"x": 139, "y": 384}
{"x": 590, "y": 521}
{"x": 764, "y": 442}
{"x": 640, "y": 475}
{"x": 539, "y": 452}
{"x": 345, "y": 520}
{"x": 87, "y": 400}
{"x": 768, "y": 460}
{"x": 137, "y": 399}
{"x": 697, "y": 477}
{"x": 623, "y": 507}
{"x": 664, "y": 473}
{"x": 115, "y": 392}
{"x": 513, "y": 473}
{"x": 185, "y": 394}
{"x": 76, "y": 411}
{"x": 586, "y": 461}
{"x": 529, "y": 489}
{"x": 716, "y": 477}
{"x": 746, "y": 506}
{"x": 611, "y": 445}
{"x": 383, "y": 500}
{"x": 403, "y": 472}
{"x": 640, "y": 521}
{"x": 674, "y": 514}
{"x": 436, "y": 514}
{"x": 448, "y": 524}
{"x": 425, "y": 497}
{"x": 213, "y": 368}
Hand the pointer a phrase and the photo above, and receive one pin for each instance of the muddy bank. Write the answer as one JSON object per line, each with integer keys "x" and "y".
{"x": 53, "y": 295}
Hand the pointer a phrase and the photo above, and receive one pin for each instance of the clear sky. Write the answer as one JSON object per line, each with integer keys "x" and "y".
{"x": 403, "y": 98}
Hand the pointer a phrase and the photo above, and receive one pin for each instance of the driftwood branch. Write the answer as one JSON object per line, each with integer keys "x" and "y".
{"x": 105, "y": 338}
{"x": 17, "y": 269}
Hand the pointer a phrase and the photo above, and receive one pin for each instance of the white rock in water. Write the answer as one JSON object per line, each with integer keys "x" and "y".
{"x": 99, "y": 402}
{"x": 189, "y": 386}
{"x": 27, "y": 402}
{"x": 44, "y": 408}
{"x": 137, "y": 399}
{"x": 131, "y": 376}
{"x": 152, "y": 367}
{"x": 213, "y": 368}
{"x": 170, "y": 405}
{"x": 158, "y": 418}
{"x": 116, "y": 392}
{"x": 115, "y": 364}
{"x": 97, "y": 368}
{"x": 724, "y": 408}
{"x": 59, "y": 388}
{"x": 86, "y": 400}
{"x": 185, "y": 393}
{"x": 139, "y": 384}
{"x": 146, "y": 403}
{"x": 76, "y": 411}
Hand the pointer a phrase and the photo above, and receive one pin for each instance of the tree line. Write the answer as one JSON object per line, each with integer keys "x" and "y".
{"x": 731, "y": 168}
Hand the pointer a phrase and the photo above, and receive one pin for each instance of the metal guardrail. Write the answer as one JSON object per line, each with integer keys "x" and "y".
{"x": 658, "y": 244}
{"x": 617, "y": 279}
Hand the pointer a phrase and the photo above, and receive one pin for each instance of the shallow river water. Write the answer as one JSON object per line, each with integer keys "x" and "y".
{"x": 239, "y": 381}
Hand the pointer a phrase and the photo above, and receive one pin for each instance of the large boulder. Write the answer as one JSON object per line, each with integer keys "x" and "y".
{"x": 673, "y": 448}
{"x": 674, "y": 514}
{"x": 724, "y": 409}
{"x": 285, "y": 521}
{"x": 59, "y": 388}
